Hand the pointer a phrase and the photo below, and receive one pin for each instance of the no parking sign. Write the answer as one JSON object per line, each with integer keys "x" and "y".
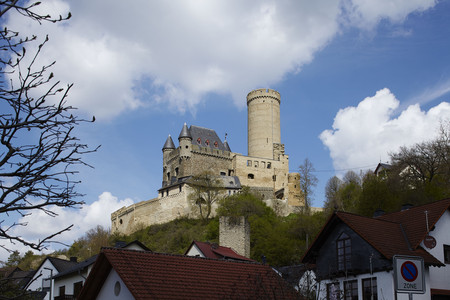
{"x": 408, "y": 274}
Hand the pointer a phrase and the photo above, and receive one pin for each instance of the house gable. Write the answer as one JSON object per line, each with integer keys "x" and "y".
{"x": 362, "y": 257}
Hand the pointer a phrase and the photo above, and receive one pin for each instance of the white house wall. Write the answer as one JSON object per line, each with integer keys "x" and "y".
{"x": 37, "y": 283}
{"x": 440, "y": 277}
{"x": 107, "y": 290}
{"x": 385, "y": 286}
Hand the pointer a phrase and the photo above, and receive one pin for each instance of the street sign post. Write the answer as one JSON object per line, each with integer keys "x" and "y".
{"x": 409, "y": 275}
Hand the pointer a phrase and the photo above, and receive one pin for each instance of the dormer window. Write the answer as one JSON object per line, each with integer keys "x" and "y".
{"x": 216, "y": 144}
{"x": 207, "y": 142}
{"x": 199, "y": 141}
{"x": 344, "y": 252}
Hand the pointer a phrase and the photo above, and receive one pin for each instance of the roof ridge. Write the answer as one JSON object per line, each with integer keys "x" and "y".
{"x": 177, "y": 255}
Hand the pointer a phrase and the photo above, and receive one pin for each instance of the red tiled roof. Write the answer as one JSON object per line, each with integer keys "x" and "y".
{"x": 387, "y": 237}
{"x": 398, "y": 233}
{"x": 215, "y": 251}
{"x": 160, "y": 276}
{"x": 413, "y": 219}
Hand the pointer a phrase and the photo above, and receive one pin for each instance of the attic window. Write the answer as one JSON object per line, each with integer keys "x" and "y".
{"x": 344, "y": 252}
{"x": 199, "y": 141}
{"x": 207, "y": 142}
{"x": 216, "y": 144}
{"x": 117, "y": 288}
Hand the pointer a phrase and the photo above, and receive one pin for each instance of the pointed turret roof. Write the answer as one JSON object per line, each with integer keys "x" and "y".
{"x": 185, "y": 133}
{"x": 169, "y": 143}
{"x": 225, "y": 144}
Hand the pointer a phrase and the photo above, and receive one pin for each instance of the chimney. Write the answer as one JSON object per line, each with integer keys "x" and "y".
{"x": 234, "y": 232}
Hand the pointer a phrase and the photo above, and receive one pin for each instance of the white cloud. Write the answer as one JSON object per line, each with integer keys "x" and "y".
{"x": 363, "y": 135}
{"x": 40, "y": 225}
{"x": 178, "y": 51}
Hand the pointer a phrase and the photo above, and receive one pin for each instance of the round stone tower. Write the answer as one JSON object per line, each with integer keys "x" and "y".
{"x": 263, "y": 122}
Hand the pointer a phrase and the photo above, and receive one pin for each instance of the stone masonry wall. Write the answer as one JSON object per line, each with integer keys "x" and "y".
{"x": 235, "y": 233}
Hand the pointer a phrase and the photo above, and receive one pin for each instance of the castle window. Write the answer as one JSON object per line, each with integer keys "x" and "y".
{"x": 168, "y": 176}
{"x": 176, "y": 171}
{"x": 223, "y": 174}
{"x": 274, "y": 177}
{"x": 249, "y": 163}
{"x": 251, "y": 176}
{"x": 256, "y": 164}
{"x": 207, "y": 142}
{"x": 120, "y": 222}
{"x": 216, "y": 144}
{"x": 263, "y": 164}
{"x": 199, "y": 141}
{"x": 269, "y": 165}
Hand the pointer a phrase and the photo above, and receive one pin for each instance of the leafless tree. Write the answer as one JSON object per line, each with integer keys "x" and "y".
{"x": 307, "y": 181}
{"x": 206, "y": 190}
{"x": 38, "y": 149}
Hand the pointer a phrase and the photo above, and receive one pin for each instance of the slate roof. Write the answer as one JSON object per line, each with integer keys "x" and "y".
{"x": 87, "y": 262}
{"x": 218, "y": 252}
{"x": 61, "y": 265}
{"x": 398, "y": 233}
{"x": 150, "y": 275}
{"x": 169, "y": 143}
{"x": 185, "y": 133}
{"x": 204, "y": 136}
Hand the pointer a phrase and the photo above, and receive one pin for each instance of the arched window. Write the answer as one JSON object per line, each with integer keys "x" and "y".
{"x": 207, "y": 142}
{"x": 216, "y": 144}
{"x": 199, "y": 141}
{"x": 344, "y": 252}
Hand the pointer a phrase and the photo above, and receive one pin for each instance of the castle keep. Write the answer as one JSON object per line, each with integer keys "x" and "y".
{"x": 264, "y": 170}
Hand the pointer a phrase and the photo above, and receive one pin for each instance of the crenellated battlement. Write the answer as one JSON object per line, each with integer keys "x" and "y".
{"x": 263, "y": 93}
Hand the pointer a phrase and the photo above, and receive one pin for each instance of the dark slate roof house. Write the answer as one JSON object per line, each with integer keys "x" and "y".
{"x": 355, "y": 254}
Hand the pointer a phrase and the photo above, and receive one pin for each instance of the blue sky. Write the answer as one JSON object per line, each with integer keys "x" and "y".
{"x": 358, "y": 79}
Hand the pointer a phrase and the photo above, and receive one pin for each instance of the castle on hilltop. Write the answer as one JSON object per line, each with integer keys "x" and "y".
{"x": 264, "y": 170}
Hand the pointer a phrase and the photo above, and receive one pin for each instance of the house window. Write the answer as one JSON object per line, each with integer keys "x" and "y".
{"x": 251, "y": 176}
{"x": 333, "y": 292}
{"x": 269, "y": 165}
{"x": 249, "y": 163}
{"x": 447, "y": 254}
{"x": 62, "y": 290}
{"x": 77, "y": 288}
{"x": 351, "y": 290}
{"x": 369, "y": 289}
{"x": 344, "y": 252}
